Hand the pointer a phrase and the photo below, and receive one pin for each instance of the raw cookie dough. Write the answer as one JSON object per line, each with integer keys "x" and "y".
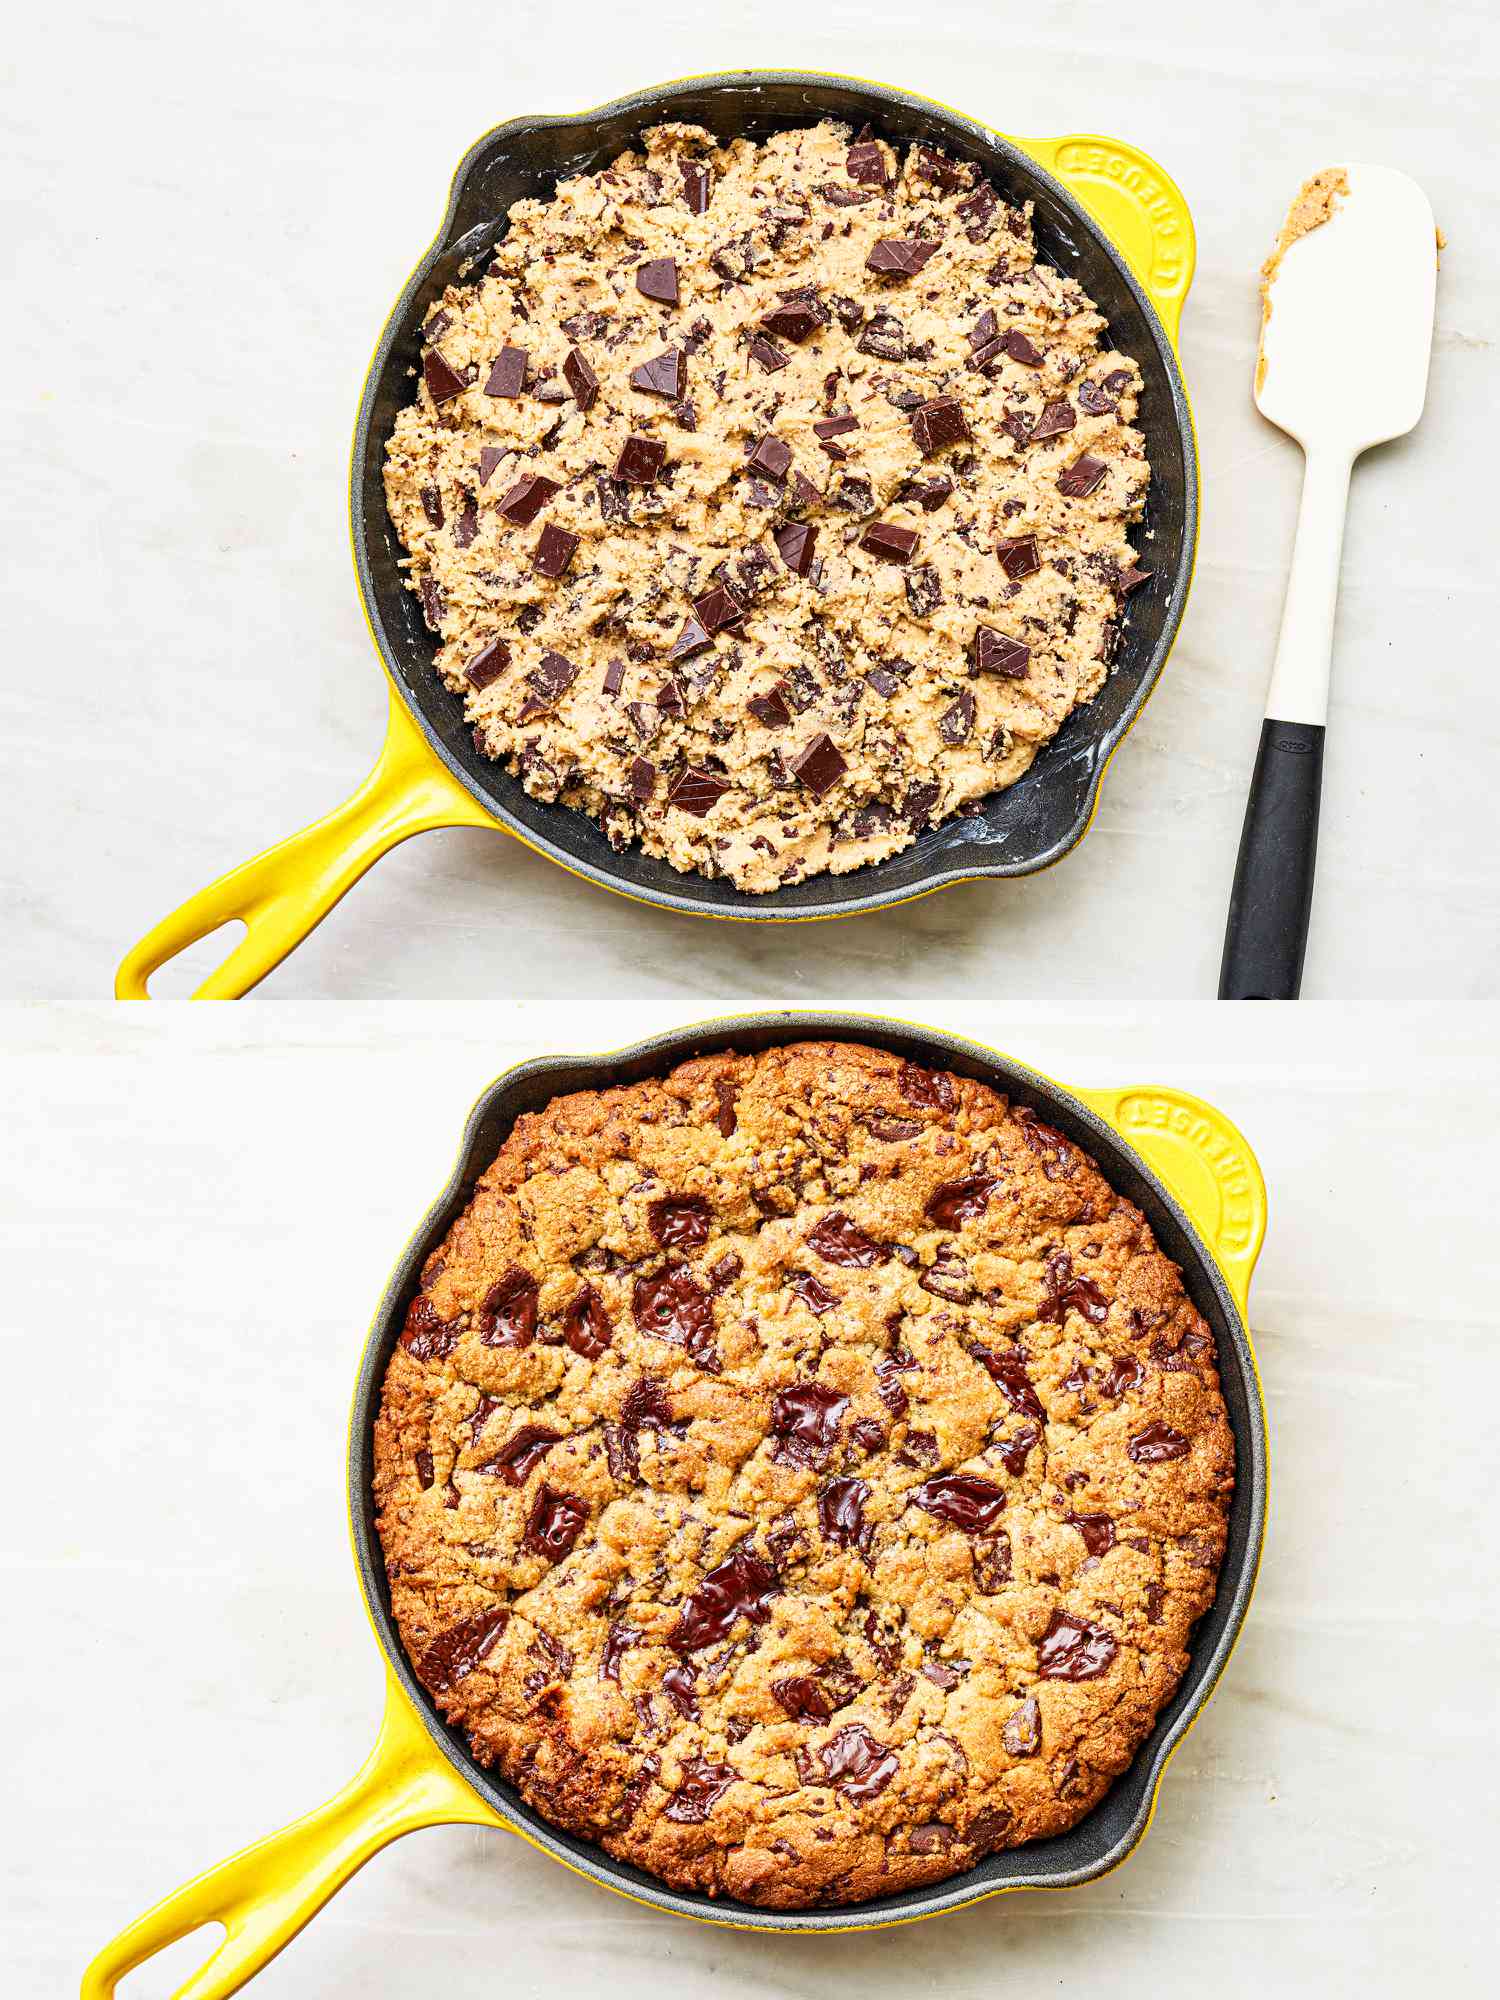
{"x": 770, "y": 500}
{"x": 801, "y": 1474}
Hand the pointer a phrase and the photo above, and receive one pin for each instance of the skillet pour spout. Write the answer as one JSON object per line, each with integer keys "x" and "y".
{"x": 1178, "y": 1159}
{"x": 1104, "y": 212}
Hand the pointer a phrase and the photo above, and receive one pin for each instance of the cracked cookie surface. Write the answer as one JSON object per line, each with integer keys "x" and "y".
{"x": 771, "y": 501}
{"x": 801, "y": 1475}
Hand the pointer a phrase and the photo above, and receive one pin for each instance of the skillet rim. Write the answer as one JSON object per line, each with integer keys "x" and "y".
{"x": 939, "y": 872}
{"x": 541, "y": 1077}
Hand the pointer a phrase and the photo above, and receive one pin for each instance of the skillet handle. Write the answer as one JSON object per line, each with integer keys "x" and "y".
{"x": 266, "y": 1893}
{"x": 286, "y": 892}
{"x": 1207, "y": 1163}
{"x": 1140, "y": 206}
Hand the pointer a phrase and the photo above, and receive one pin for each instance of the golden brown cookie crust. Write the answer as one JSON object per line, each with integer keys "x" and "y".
{"x": 649, "y": 649}
{"x": 871, "y": 1511}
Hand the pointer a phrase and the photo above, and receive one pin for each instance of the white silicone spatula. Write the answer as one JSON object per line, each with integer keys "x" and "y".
{"x": 1348, "y": 303}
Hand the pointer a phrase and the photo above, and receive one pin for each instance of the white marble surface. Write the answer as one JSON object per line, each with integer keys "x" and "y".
{"x": 208, "y": 213}
{"x": 200, "y": 1209}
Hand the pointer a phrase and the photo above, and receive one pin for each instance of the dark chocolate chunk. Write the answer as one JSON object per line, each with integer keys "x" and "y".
{"x": 937, "y": 167}
{"x": 802, "y": 1698}
{"x": 899, "y": 256}
{"x": 962, "y": 1498}
{"x": 820, "y": 766}
{"x": 661, "y": 375}
{"x": 617, "y": 1643}
{"x": 991, "y": 1556}
{"x": 508, "y": 376}
{"x": 1019, "y": 348}
{"x": 581, "y": 379}
{"x": 642, "y": 780}
{"x": 1022, "y": 1734}
{"x": 1008, "y": 1372}
{"x": 1019, "y": 558}
{"x": 956, "y": 723}
{"x": 890, "y": 543}
{"x": 717, "y": 608}
{"x": 485, "y": 668}
{"x": 832, "y": 427}
{"x": 696, "y": 791}
{"x": 521, "y": 1453}
{"x": 1097, "y": 1530}
{"x": 443, "y": 382}
{"x": 928, "y": 494}
{"x": 855, "y": 1764}
{"x": 1096, "y": 399}
{"x": 794, "y": 544}
{"x": 770, "y": 708}
{"x": 466, "y": 527}
{"x": 454, "y": 1654}
{"x": 866, "y": 161}
{"x": 553, "y": 552}
{"x": 1057, "y": 416}
{"x": 937, "y": 423}
{"x": 432, "y": 505}
{"x": 697, "y": 185}
{"x": 674, "y": 1306}
{"x": 679, "y": 1222}
{"x": 507, "y": 1318}
{"x": 680, "y": 1685}
{"x": 526, "y": 499}
{"x": 424, "y": 1336}
{"x": 927, "y": 1086}
{"x": 741, "y": 1587}
{"x": 766, "y": 353}
{"x": 1079, "y": 479}
{"x": 658, "y": 280}
{"x": 997, "y": 653}
{"x": 841, "y": 1514}
{"x": 554, "y": 1524}
{"x": 805, "y": 1423}
{"x": 924, "y": 591}
{"x": 978, "y": 212}
{"x": 640, "y": 460}
{"x": 703, "y": 1782}
{"x": 1128, "y": 578}
{"x": 553, "y": 677}
{"x": 1157, "y": 1443}
{"x": 772, "y": 456}
{"x": 795, "y": 319}
{"x": 489, "y": 457}
{"x": 957, "y": 1202}
{"x": 1067, "y": 1292}
{"x": 690, "y": 640}
{"x": 614, "y": 677}
{"x": 1123, "y": 1373}
{"x": 1073, "y": 1650}
{"x": 436, "y": 327}
{"x": 837, "y": 1240}
{"x": 814, "y": 1295}
{"x": 883, "y": 336}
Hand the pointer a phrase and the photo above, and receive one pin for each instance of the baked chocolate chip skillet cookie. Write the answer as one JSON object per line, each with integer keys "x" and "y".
{"x": 801, "y": 1475}
{"x": 770, "y": 500}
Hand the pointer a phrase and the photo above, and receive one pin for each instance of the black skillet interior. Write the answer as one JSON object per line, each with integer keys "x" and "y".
{"x": 1109, "y": 1832}
{"x": 1021, "y": 829}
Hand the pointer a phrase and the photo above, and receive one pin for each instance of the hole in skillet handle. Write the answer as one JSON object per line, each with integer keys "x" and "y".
{"x": 1111, "y": 1830}
{"x": 1018, "y": 830}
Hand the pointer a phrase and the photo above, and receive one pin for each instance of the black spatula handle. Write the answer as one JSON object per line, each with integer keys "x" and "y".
{"x": 1265, "y": 940}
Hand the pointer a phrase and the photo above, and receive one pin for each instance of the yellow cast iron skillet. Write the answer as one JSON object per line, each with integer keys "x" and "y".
{"x": 1104, "y": 213}
{"x": 1183, "y": 1163}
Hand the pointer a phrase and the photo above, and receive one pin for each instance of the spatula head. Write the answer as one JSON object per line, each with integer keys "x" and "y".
{"x": 1348, "y": 312}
